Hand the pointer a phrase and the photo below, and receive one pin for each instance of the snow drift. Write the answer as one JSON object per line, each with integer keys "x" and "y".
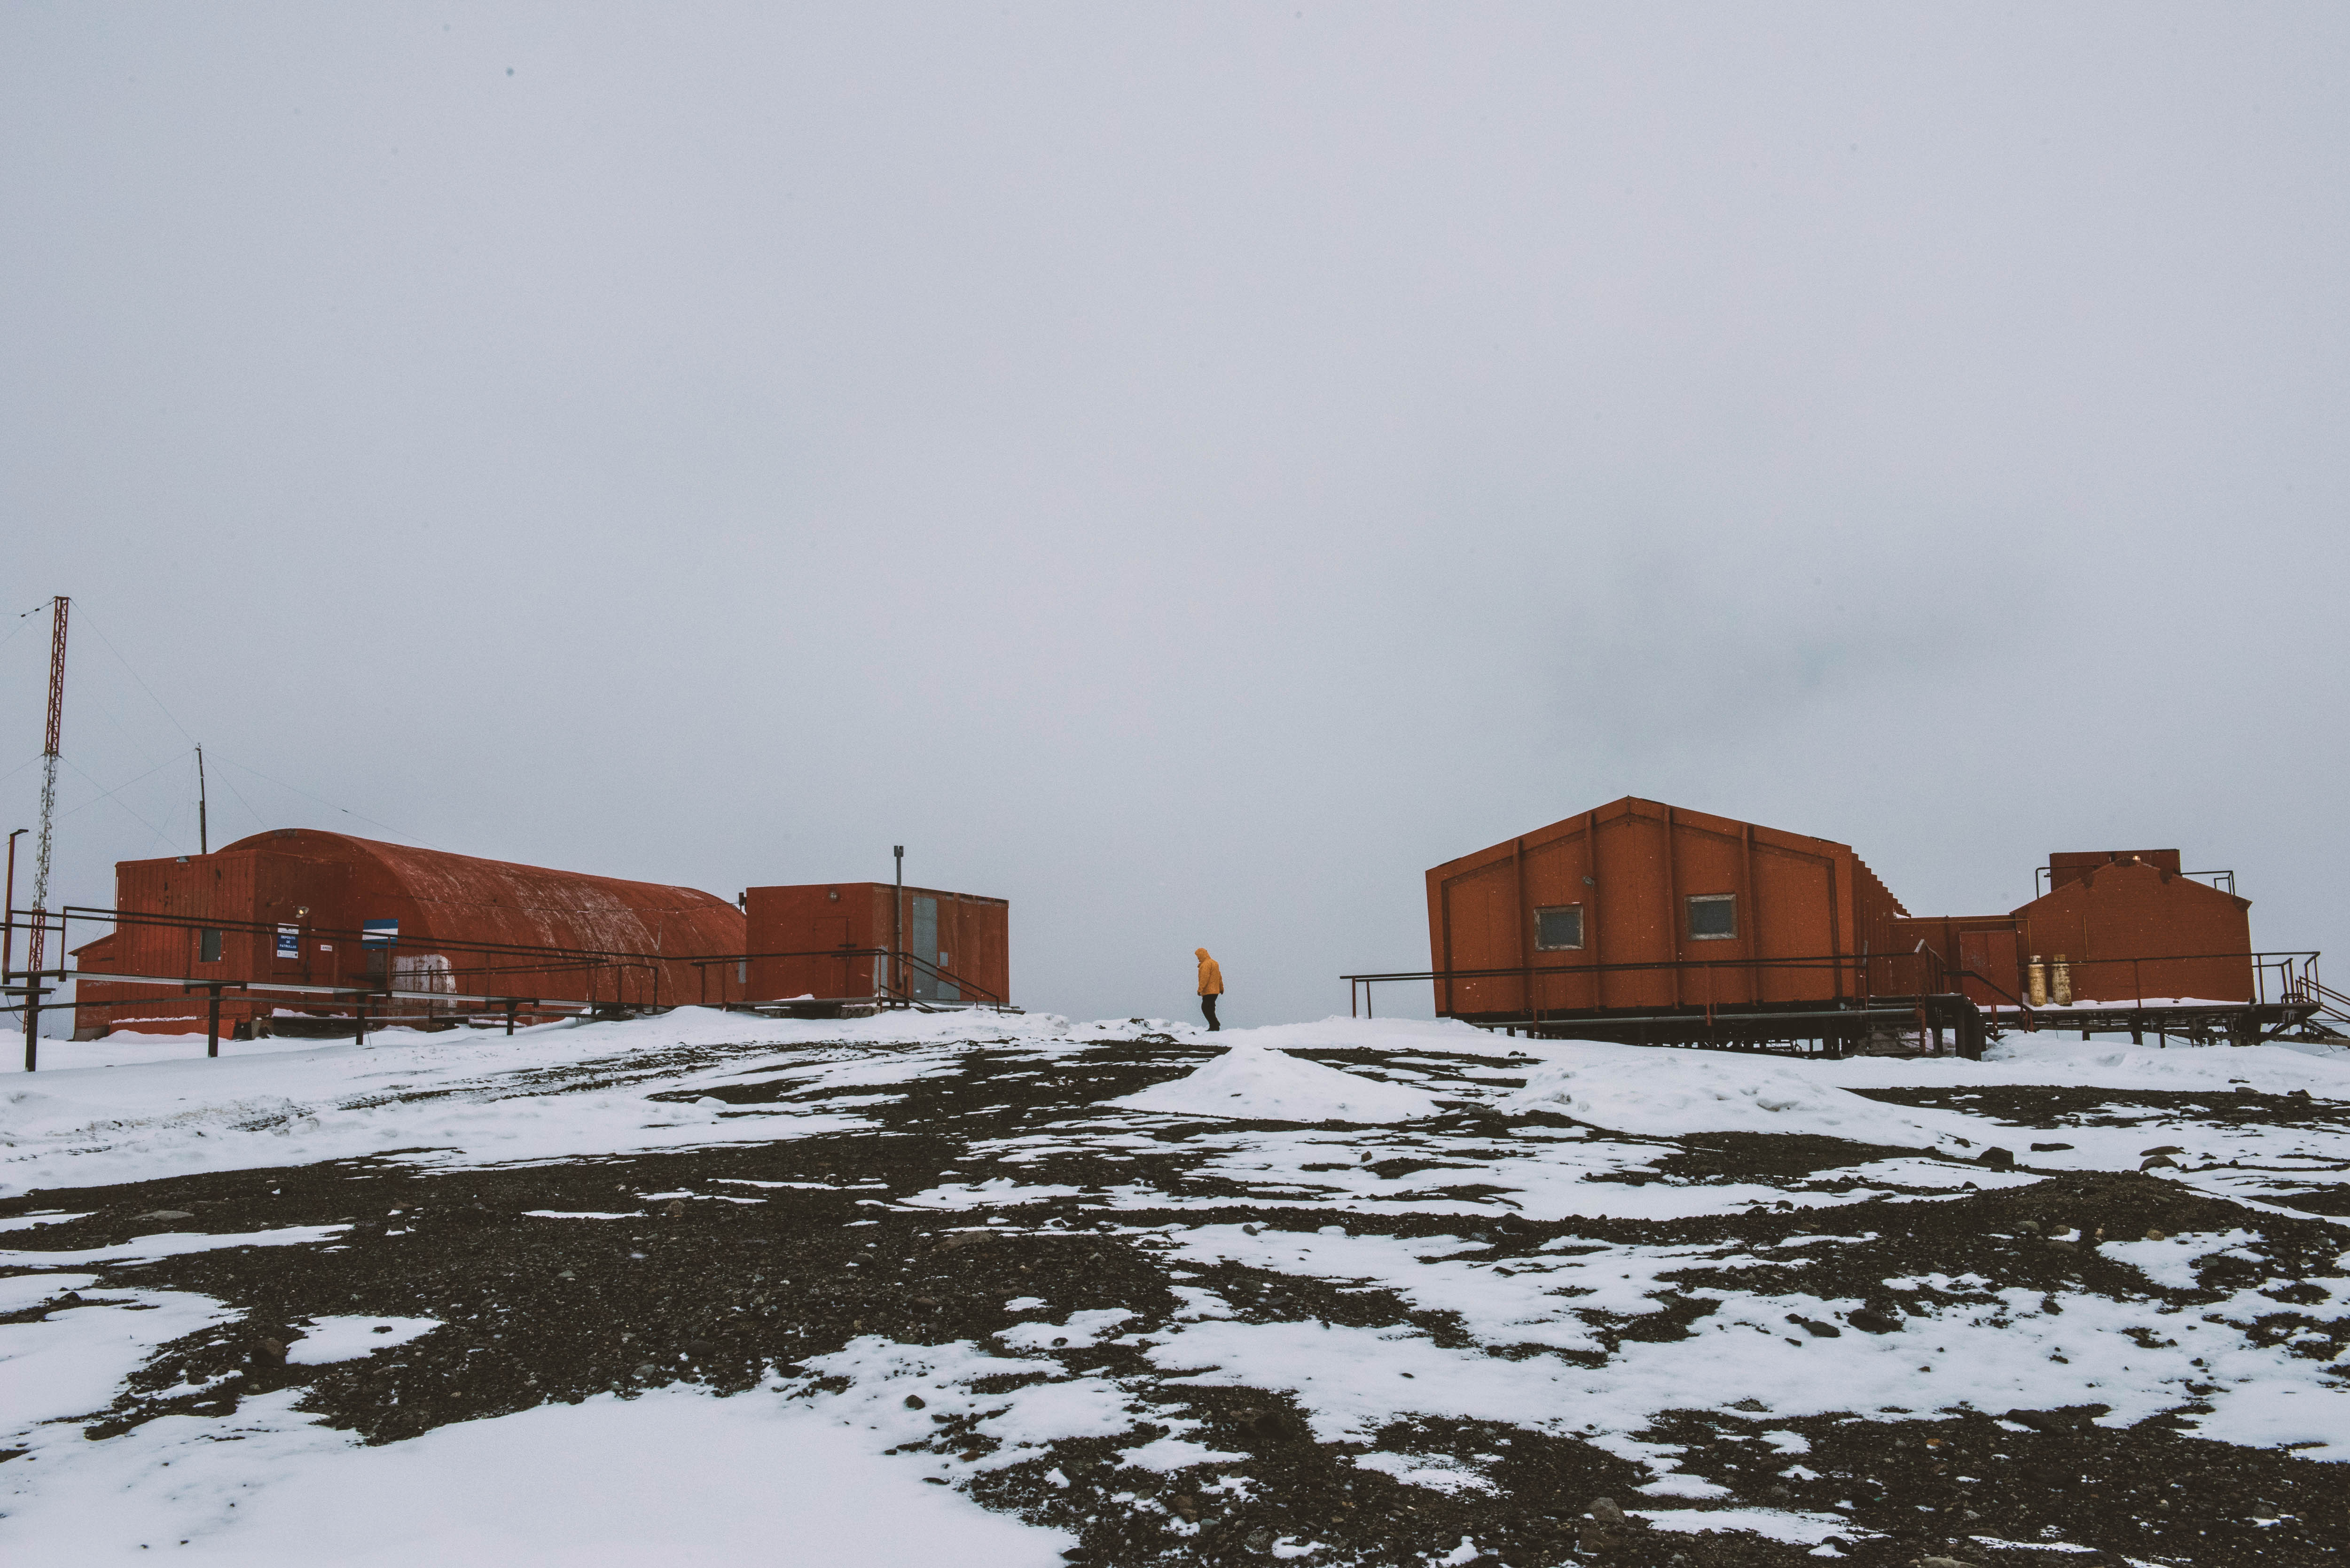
{"x": 1663, "y": 1091}
{"x": 1250, "y": 1083}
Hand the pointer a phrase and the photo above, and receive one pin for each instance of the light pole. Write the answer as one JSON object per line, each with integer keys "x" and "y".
{"x": 8, "y": 937}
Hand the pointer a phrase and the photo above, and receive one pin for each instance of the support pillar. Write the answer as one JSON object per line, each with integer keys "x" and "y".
{"x": 31, "y": 1021}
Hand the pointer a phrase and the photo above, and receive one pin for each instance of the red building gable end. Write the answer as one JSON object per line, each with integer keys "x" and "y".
{"x": 466, "y": 926}
{"x": 2129, "y": 926}
{"x": 1640, "y": 905}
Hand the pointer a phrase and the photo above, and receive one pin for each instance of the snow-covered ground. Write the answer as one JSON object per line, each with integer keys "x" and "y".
{"x": 1431, "y": 1252}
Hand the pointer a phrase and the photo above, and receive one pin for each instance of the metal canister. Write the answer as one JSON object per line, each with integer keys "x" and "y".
{"x": 2035, "y": 982}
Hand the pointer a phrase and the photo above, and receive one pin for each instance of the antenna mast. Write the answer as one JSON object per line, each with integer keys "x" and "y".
{"x": 57, "y": 608}
{"x": 203, "y": 838}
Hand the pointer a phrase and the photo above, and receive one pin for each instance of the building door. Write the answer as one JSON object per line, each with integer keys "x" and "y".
{"x": 922, "y": 943}
{"x": 831, "y": 931}
{"x": 306, "y": 896}
{"x": 1990, "y": 955}
{"x": 423, "y": 972}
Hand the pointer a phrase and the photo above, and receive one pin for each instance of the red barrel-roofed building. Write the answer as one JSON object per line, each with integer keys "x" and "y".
{"x": 298, "y": 907}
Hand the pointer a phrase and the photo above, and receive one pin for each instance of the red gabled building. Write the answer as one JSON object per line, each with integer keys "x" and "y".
{"x": 1611, "y": 911}
{"x": 1638, "y": 920}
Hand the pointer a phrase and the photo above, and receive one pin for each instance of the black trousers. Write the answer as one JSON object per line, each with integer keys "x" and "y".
{"x": 1208, "y": 1007}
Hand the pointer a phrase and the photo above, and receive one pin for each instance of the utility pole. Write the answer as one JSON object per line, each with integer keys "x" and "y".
{"x": 898, "y": 923}
{"x": 203, "y": 838}
{"x": 57, "y": 608}
{"x": 8, "y": 933}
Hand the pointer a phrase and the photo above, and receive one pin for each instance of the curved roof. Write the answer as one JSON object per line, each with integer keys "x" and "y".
{"x": 464, "y": 898}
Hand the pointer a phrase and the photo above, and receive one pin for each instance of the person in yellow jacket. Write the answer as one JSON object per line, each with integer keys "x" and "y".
{"x": 1211, "y": 986}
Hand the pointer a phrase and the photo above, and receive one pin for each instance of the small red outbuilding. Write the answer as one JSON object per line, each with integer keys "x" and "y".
{"x": 2127, "y": 925}
{"x": 830, "y": 942}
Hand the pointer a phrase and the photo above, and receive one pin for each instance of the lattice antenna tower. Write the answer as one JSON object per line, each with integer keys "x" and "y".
{"x": 58, "y": 608}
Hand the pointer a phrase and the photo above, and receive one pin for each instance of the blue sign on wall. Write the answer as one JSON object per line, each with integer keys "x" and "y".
{"x": 289, "y": 941}
{"x": 379, "y": 934}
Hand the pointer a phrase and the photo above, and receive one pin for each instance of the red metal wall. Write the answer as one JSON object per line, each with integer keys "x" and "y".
{"x": 437, "y": 897}
{"x": 1633, "y": 866}
{"x": 1983, "y": 948}
{"x": 973, "y": 932}
{"x": 2124, "y": 922}
{"x": 2129, "y": 924}
{"x": 819, "y": 916}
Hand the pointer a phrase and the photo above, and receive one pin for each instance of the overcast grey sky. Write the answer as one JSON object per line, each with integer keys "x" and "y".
{"x": 1186, "y": 469}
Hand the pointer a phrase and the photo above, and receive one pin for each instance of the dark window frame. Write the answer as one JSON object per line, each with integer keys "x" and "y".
{"x": 1582, "y": 935}
{"x": 1711, "y": 900}
{"x": 208, "y": 944}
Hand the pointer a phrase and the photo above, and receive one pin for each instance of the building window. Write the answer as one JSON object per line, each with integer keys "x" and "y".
{"x": 1712, "y": 917}
{"x": 208, "y": 947}
{"x": 1559, "y": 928}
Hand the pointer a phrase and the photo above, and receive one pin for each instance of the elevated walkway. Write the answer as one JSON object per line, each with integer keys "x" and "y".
{"x": 1851, "y": 1011}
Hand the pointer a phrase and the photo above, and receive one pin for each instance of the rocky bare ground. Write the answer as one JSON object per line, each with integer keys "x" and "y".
{"x": 993, "y": 1201}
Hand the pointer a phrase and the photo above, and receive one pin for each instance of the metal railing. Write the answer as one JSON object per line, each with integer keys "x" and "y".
{"x": 2043, "y": 877}
{"x": 1844, "y": 977}
{"x": 1846, "y": 984}
{"x": 499, "y": 959}
{"x": 632, "y": 980}
{"x": 2332, "y": 1005}
{"x": 891, "y": 987}
{"x": 2279, "y": 978}
{"x": 594, "y": 979}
